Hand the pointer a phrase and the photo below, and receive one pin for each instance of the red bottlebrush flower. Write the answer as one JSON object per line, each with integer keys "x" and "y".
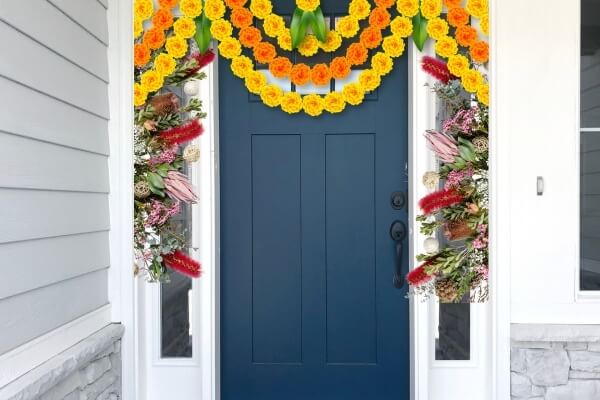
{"x": 436, "y": 68}
{"x": 179, "y": 261}
{"x": 183, "y": 133}
{"x": 418, "y": 276}
{"x": 202, "y": 59}
{"x": 440, "y": 199}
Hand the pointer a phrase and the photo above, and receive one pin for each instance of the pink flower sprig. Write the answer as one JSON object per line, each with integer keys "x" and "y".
{"x": 177, "y": 186}
{"x": 159, "y": 213}
{"x": 165, "y": 157}
{"x": 463, "y": 122}
{"x": 455, "y": 178}
{"x": 443, "y": 145}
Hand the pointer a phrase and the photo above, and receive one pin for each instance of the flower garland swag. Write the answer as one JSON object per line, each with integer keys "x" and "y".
{"x": 164, "y": 55}
{"x": 377, "y": 45}
{"x": 459, "y": 206}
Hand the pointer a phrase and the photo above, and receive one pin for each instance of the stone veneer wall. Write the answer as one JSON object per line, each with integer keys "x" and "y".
{"x": 90, "y": 370}
{"x": 555, "y": 362}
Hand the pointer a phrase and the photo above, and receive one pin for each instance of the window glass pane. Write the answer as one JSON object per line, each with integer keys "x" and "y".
{"x": 453, "y": 336}
{"x": 590, "y": 145}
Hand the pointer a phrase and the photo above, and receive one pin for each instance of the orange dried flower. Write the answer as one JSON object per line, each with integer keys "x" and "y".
{"x": 163, "y": 19}
{"x": 300, "y": 74}
{"x": 458, "y": 16}
{"x": 141, "y": 55}
{"x": 339, "y": 68}
{"x": 380, "y": 18}
{"x": 280, "y": 67}
{"x": 154, "y": 38}
{"x": 385, "y": 3}
{"x": 241, "y": 17}
{"x": 235, "y": 3}
{"x": 250, "y": 36}
{"x": 320, "y": 75}
{"x": 167, "y": 3}
{"x": 466, "y": 35}
{"x": 371, "y": 37}
{"x": 480, "y": 52}
{"x": 357, "y": 53}
{"x": 264, "y": 52}
{"x": 453, "y": 3}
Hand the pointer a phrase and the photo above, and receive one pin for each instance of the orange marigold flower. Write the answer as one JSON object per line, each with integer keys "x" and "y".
{"x": 466, "y": 35}
{"x": 357, "y": 53}
{"x": 250, "y": 36}
{"x": 300, "y": 74}
{"x": 141, "y": 55}
{"x": 163, "y": 19}
{"x": 235, "y": 3}
{"x": 167, "y": 3}
{"x": 480, "y": 52}
{"x": 453, "y": 3}
{"x": 264, "y": 52}
{"x": 385, "y": 3}
{"x": 339, "y": 68}
{"x": 154, "y": 38}
{"x": 458, "y": 16}
{"x": 241, "y": 17}
{"x": 371, "y": 37}
{"x": 280, "y": 67}
{"x": 320, "y": 75}
{"x": 380, "y": 18}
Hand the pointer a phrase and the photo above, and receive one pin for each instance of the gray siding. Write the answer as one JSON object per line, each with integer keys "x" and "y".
{"x": 54, "y": 161}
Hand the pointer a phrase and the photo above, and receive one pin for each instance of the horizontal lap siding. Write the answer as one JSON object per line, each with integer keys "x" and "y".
{"x": 54, "y": 157}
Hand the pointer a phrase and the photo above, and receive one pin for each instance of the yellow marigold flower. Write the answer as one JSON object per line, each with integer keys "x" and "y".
{"x": 221, "y": 29}
{"x": 408, "y": 8}
{"x": 214, "y": 9}
{"x": 261, "y": 8}
{"x": 151, "y": 80}
{"x": 255, "y": 81}
{"x": 431, "y": 8}
{"x": 393, "y": 46}
{"x": 190, "y": 8}
{"x": 402, "y": 26}
{"x": 484, "y": 23}
{"x": 143, "y": 9}
{"x": 138, "y": 28}
{"x": 309, "y": 46}
{"x": 359, "y": 9}
{"x": 241, "y": 66}
{"x": 139, "y": 95}
{"x": 332, "y": 42}
{"x": 477, "y": 8}
{"x": 369, "y": 80}
{"x": 271, "y": 95}
{"x": 353, "y": 94}
{"x": 471, "y": 80}
{"x": 230, "y": 48}
{"x": 307, "y": 5}
{"x": 313, "y": 104}
{"x": 284, "y": 40}
{"x": 446, "y": 46}
{"x": 176, "y": 46}
{"x": 334, "y": 102}
{"x": 291, "y": 102}
{"x": 273, "y": 25}
{"x": 458, "y": 64}
{"x": 382, "y": 63}
{"x": 348, "y": 26}
{"x": 184, "y": 27}
{"x": 437, "y": 28}
{"x": 483, "y": 94}
{"x": 164, "y": 64}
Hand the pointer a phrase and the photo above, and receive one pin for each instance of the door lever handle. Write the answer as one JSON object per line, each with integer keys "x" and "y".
{"x": 398, "y": 234}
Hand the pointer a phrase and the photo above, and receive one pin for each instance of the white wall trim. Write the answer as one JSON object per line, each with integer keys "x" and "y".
{"x": 122, "y": 283}
{"x": 28, "y": 356}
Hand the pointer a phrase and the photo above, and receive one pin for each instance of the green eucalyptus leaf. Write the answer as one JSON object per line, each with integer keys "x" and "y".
{"x": 203, "y": 35}
{"x": 155, "y": 180}
{"x": 297, "y": 28}
{"x": 156, "y": 191}
{"x": 317, "y": 24}
{"x": 419, "y": 31}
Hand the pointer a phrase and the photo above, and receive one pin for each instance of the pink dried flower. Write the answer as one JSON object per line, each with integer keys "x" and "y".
{"x": 159, "y": 213}
{"x": 166, "y": 157}
{"x": 462, "y": 122}
{"x": 179, "y": 187}
{"x": 444, "y": 145}
{"x": 455, "y": 178}
{"x": 483, "y": 270}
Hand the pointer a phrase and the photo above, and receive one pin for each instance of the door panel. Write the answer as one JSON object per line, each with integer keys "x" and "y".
{"x": 308, "y": 308}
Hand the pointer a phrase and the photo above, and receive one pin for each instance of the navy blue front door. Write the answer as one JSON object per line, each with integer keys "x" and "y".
{"x": 308, "y": 307}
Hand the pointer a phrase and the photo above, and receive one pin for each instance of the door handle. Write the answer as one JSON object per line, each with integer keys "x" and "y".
{"x": 398, "y": 234}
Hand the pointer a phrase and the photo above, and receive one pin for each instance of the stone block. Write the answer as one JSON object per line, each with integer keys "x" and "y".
{"x": 593, "y": 347}
{"x": 531, "y": 345}
{"x": 520, "y": 385}
{"x": 547, "y": 367}
{"x": 517, "y": 360}
{"x": 96, "y": 369}
{"x": 575, "y": 390}
{"x": 583, "y": 375}
{"x": 585, "y": 361}
{"x": 577, "y": 346}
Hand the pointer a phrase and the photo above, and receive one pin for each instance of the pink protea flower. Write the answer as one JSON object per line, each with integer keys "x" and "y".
{"x": 177, "y": 186}
{"x": 443, "y": 145}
